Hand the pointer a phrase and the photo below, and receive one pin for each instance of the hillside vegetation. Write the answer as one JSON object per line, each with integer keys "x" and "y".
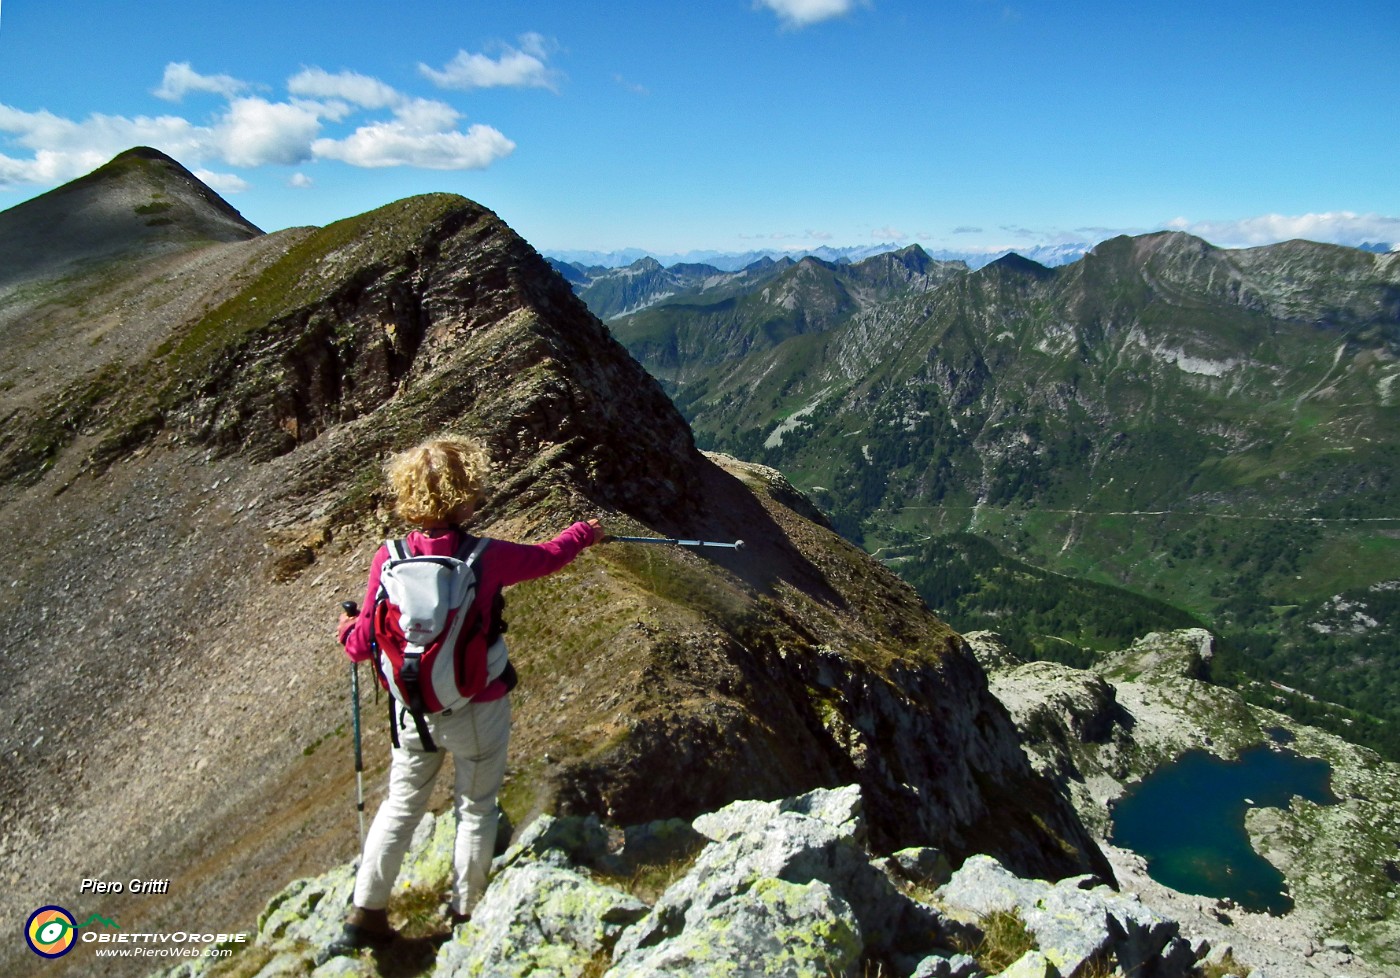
{"x": 1213, "y": 430}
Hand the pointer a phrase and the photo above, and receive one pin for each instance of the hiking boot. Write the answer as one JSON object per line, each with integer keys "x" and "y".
{"x": 363, "y": 928}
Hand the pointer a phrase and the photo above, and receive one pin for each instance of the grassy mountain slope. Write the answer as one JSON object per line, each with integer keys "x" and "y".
{"x": 1213, "y": 429}
{"x": 209, "y": 490}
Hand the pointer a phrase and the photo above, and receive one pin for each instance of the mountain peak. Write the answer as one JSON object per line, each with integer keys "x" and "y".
{"x": 145, "y": 153}
{"x": 141, "y": 202}
{"x": 1015, "y": 264}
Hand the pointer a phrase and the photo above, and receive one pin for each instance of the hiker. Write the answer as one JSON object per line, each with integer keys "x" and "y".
{"x": 437, "y": 486}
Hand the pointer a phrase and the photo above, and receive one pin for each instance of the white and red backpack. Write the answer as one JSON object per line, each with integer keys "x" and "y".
{"x": 431, "y": 634}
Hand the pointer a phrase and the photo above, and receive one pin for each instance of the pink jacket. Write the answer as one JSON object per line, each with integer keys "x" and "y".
{"x": 500, "y": 565}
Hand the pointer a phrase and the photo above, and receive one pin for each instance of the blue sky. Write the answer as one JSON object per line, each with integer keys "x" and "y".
{"x": 735, "y": 124}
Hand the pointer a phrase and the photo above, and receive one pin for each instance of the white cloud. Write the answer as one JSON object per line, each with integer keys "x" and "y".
{"x": 47, "y": 167}
{"x": 224, "y": 183}
{"x": 423, "y": 133}
{"x": 800, "y": 13}
{"x": 1335, "y": 227}
{"x": 427, "y": 115}
{"x": 96, "y": 134}
{"x": 346, "y": 86}
{"x": 395, "y": 143}
{"x": 41, "y": 148}
{"x": 254, "y": 132}
{"x": 180, "y": 79}
{"x": 300, "y": 181}
{"x": 523, "y": 67}
{"x": 64, "y": 149}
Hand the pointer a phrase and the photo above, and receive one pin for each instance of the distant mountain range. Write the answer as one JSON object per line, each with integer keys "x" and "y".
{"x": 1213, "y": 429}
{"x": 1051, "y": 256}
{"x": 733, "y": 261}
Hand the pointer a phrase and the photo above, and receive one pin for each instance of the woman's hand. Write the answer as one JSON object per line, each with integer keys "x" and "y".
{"x": 342, "y": 627}
{"x": 599, "y": 535}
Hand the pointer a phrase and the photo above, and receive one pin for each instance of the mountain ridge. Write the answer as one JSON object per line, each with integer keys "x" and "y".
{"x": 733, "y": 261}
{"x": 1118, "y": 418}
{"x": 225, "y": 457}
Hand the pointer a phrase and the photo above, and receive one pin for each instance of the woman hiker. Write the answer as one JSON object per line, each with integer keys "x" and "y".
{"x": 437, "y": 486}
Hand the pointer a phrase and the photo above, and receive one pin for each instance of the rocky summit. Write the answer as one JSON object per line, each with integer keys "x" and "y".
{"x": 192, "y": 426}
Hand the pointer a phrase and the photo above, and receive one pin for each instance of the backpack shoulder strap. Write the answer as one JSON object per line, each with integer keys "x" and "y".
{"x": 476, "y": 550}
{"x": 470, "y": 549}
{"x": 398, "y": 549}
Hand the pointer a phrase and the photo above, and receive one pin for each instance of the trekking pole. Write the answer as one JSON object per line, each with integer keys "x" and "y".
{"x": 736, "y": 545}
{"x": 353, "y": 610}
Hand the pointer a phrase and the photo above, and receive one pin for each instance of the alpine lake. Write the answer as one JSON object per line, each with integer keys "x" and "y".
{"x": 1187, "y": 819}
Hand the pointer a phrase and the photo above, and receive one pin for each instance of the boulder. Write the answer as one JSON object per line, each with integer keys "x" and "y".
{"x": 841, "y": 808}
{"x": 538, "y": 919}
{"x": 992, "y": 651}
{"x": 1032, "y": 964}
{"x": 796, "y": 841}
{"x": 1073, "y": 925}
{"x": 922, "y": 866}
{"x": 773, "y": 927}
{"x": 950, "y": 966}
{"x": 564, "y": 841}
{"x": 308, "y": 911}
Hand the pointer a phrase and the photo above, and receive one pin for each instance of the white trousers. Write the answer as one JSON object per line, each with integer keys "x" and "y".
{"x": 476, "y": 735}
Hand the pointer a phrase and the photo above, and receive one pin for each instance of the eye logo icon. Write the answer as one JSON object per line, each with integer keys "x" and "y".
{"x": 51, "y": 932}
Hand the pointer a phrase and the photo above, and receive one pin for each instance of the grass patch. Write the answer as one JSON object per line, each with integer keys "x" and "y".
{"x": 315, "y": 745}
{"x": 675, "y": 580}
{"x": 306, "y": 274}
{"x": 1227, "y": 965}
{"x": 1005, "y": 940}
{"x": 598, "y": 965}
{"x": 649, "y": 880}
{"x": 418, "y": 912}
{"x": 522, "y": 796}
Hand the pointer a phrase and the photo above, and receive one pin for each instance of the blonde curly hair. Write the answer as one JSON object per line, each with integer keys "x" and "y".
{"x": 443, "y": 479}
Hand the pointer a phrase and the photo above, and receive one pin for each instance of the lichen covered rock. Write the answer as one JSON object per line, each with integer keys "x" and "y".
{"x": 540, "y": 920}
{"x": 1075, "y": 922}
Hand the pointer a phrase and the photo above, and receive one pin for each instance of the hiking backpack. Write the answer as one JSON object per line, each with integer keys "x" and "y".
{"x": 430, "y": 637}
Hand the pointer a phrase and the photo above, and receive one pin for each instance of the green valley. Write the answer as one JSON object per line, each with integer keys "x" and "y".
{"x": 1211, "y": 431}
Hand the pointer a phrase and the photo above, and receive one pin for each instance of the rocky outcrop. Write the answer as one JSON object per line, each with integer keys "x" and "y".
{"x": 1077, "y": 923}
{"x": 777, "y": 888}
